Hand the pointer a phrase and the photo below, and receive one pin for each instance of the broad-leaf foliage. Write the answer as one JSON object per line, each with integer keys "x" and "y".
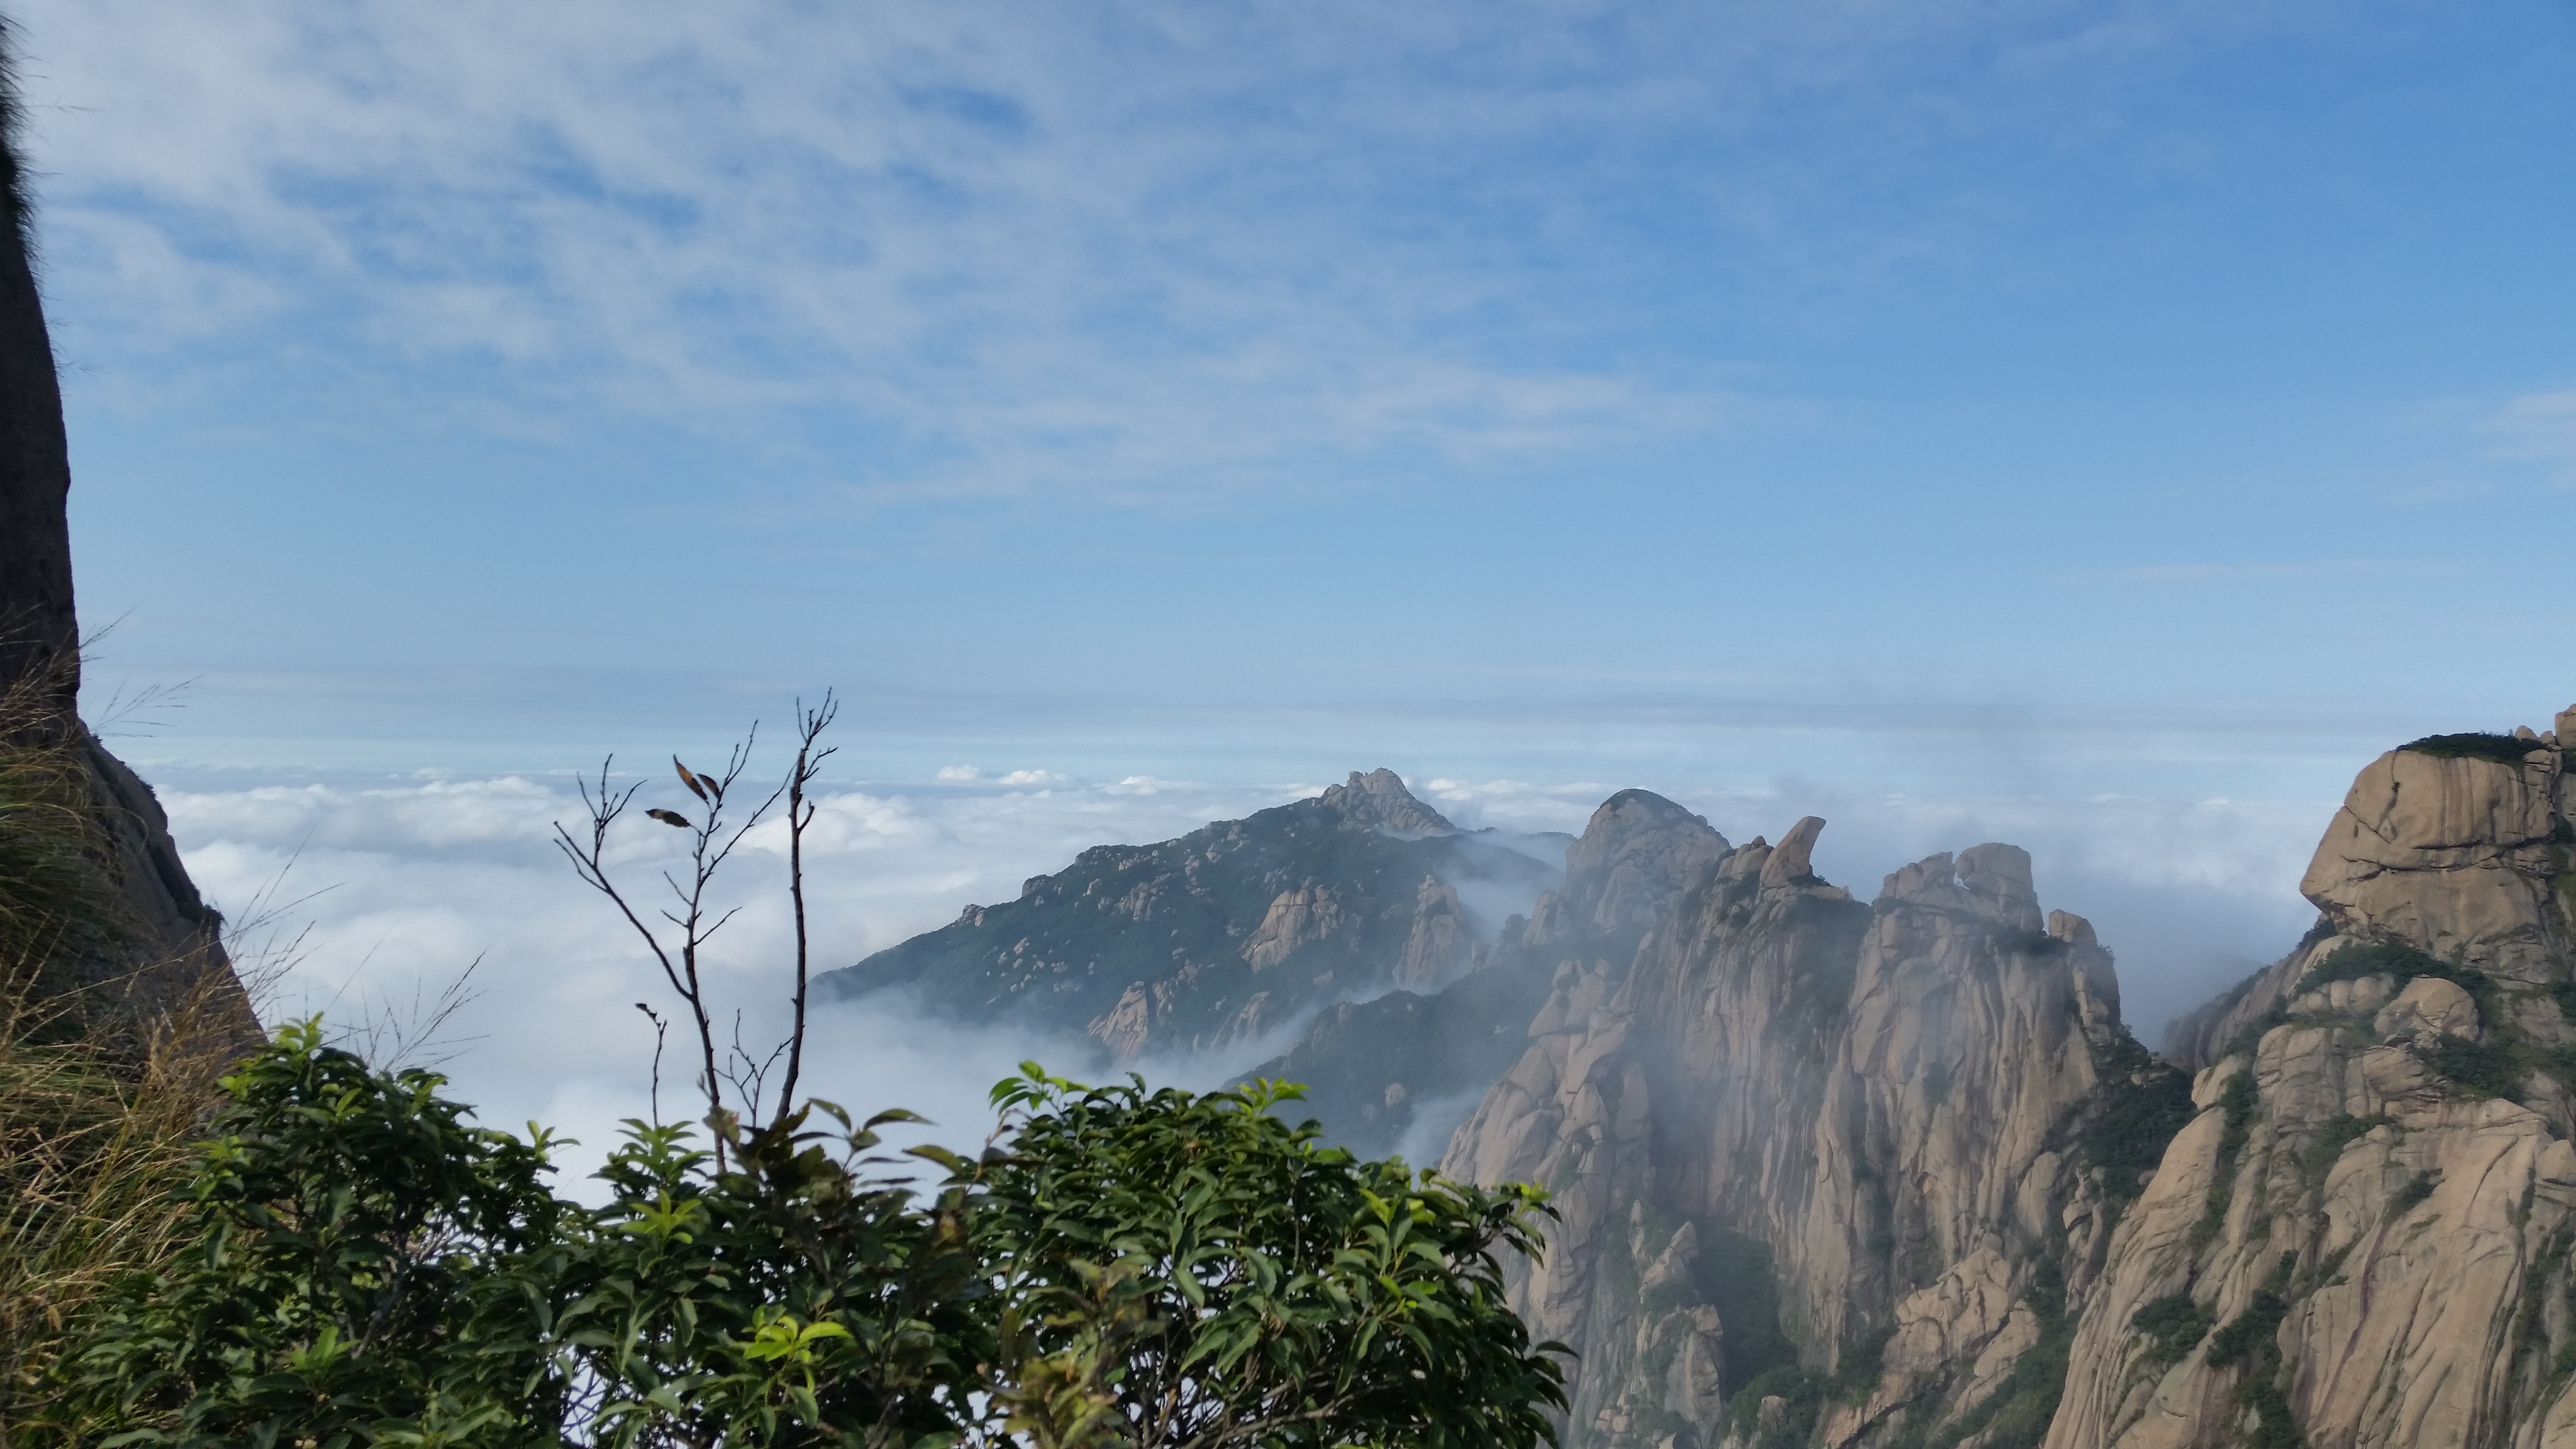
{"x": 1123, "y": 1267}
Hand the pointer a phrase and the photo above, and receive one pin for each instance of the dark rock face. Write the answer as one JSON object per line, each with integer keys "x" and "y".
{"x": 1225, "y": 933}
{"x": 39, "y": 635}
{"x": 170, "y": 950}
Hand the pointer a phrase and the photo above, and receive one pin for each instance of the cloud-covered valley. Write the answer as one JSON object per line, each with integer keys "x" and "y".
{"x": 365, "y": 901}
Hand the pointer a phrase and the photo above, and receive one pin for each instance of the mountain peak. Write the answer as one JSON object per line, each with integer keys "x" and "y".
{"x": 1379, "y": 801}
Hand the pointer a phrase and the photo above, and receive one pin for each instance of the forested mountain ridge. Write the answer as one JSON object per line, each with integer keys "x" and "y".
{"x": 1229, "y": 931}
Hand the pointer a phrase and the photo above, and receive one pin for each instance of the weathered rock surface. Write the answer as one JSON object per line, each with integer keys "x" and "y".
{"x": 1440, "y": 941}
{"x": 1636, "y": 856}
{"x": 1875, "y": 1112}
{"x": 1374, "y": 1069}
{"x": 1904, "y": 1174}
{"x": 1894, "y": 1175}
{"x": 2454, "y": 854}
{"x": 1307, "y": 915}
{"x": 2363, "y": 1237}
{"x": 1379, "y": 801}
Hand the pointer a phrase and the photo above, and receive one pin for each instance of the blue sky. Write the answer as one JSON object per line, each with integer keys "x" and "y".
{"x": 2008, "y": 406}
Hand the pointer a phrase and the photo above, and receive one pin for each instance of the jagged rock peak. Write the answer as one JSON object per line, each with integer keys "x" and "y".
{"x": 1991, "y": 880}
{"x": 1379, "y": 801}
{"x": 1791, "y": 862}
{"x": 1637, "y": 854}
{"x": 2362, "y": 1236}
{"x": 2454, "y": 854}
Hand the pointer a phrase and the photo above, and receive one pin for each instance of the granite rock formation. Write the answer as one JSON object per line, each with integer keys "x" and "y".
{"x": 1847, "y": 1142}
{"x": 1896, "y": 1175}
{"x": 1393, "y": 1067}
{"x": 2363, "y": 1236}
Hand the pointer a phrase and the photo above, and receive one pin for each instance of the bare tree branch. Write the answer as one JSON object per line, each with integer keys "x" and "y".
{"x": 714, "y": 834}
{"x": 810, "y": 724}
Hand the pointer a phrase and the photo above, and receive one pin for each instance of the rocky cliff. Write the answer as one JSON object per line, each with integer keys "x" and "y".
{"x": 1381, "y": 1073}
{"x": 1832, "y": 1156}
{"x": 2362, "y": 1237}
{"x": 1892, "y": 1174}
{"x": 1895, "y": 1174}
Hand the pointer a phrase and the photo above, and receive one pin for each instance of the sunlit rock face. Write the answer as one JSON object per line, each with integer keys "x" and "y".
{"x": 1895, "y": 1174}
{"x": 1892, "y": 1174}
{"x": 2377, "y": 1233}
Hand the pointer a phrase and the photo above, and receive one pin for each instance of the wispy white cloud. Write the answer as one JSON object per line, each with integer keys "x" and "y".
{"x": 1111, "y": 250}
{"x": 1012, "y": 240}
{"x": 2264, "y": 570}
{"x": 2535, "y": 425}
{"x": 400, "y": 888}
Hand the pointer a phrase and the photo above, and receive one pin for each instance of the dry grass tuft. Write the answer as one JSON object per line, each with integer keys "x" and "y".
{"x": 96, "y": 1148}
{"x": 101, "y": 1109}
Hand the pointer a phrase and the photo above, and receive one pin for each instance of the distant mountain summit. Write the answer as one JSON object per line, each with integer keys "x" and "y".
{"x": 1230, "y": 930}
{"x": 1378, "y": 800}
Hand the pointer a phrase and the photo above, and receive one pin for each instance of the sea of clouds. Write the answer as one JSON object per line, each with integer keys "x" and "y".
{"x": 368, "y": 902}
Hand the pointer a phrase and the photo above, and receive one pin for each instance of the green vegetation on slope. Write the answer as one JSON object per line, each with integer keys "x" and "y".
{"x": 1180, "y": 913}
{"x": 1372, "y": 1064}
{"x": 98, "y": 1113}
{"x": 2473, "y": 745}
{"x": 1130, "y": 1267}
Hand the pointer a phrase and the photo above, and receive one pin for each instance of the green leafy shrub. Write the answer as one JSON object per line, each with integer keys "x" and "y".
{"x": 2173, "y": 1326}
{"x": 1735, "y": 1273}
{"x": 2251, "y": 1343}
{"x": 1209, "y": 1275}
{"x": 1802, "y": 1396}
{"x": 2239, "y": 1102}
{"x": 2417, "y": 1192}
{"x": 2489, "y": 1068}
{"x": 349, "y": 1279}
{"x": 1858, "y": 1372}
{"x": 1129, "y": 1267}
{"x": 2139, "y": 1106}
{"x": 2237, "y": 1342}
{"x": 2362, "y": 959}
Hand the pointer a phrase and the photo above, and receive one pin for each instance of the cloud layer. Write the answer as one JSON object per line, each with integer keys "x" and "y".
{"x": 387, "y": 894}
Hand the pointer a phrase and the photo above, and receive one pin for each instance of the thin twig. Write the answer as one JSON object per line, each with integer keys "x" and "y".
{"x": 810, "y": 724}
